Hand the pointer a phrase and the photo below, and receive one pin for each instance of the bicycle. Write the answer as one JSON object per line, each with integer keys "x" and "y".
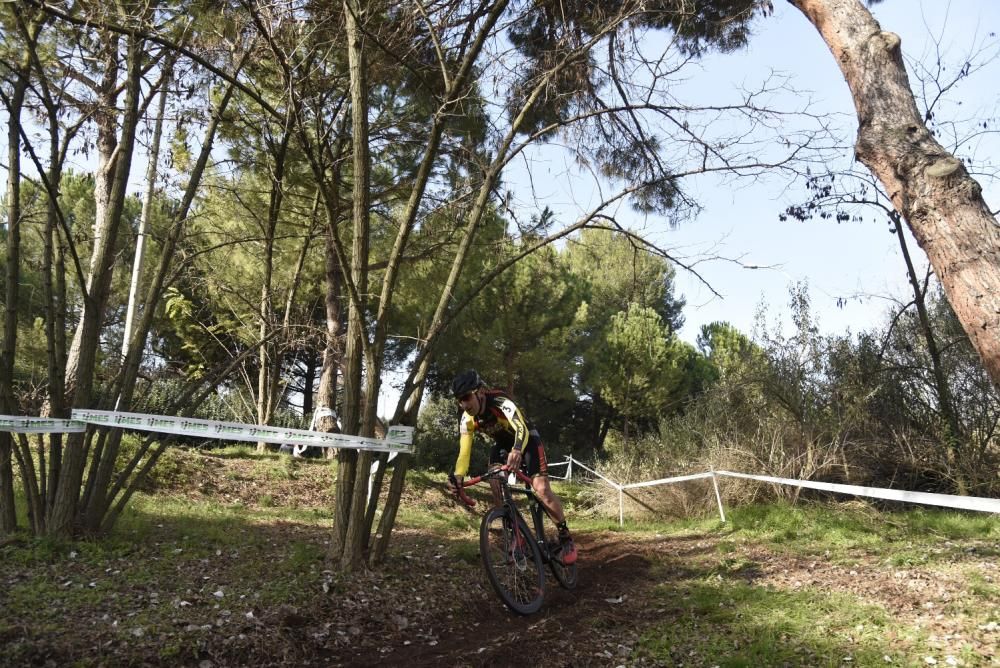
{"x": 513, "y": 555}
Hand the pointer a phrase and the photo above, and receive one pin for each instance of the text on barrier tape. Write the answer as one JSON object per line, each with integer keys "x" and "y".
{"x": 397, "y": 439}
{"x": 32, "y": 425}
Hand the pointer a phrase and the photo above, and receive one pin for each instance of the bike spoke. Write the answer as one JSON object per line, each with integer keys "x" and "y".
{"x": 512, "y": 564}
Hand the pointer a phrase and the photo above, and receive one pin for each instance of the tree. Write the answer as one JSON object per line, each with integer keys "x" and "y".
{"x": 87, "y": 489}
{"x": 641, "y": 364}
{"x": 850, "y": 194}
{"x": 452, "y": 94}
{"x": 618, "y": 272}
{"x": 14, "y": 103}
{"x": 928, "y": 186}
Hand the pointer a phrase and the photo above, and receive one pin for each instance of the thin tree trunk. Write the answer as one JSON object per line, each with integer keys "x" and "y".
{"x": 8, "y": 514}
{"x": 284, "y": 340}
{"x": 931, "y": 189}
{"x": 955, "y": 436}
{"x": 55, "y": 315}
{"x": 354, "y": 466}
{"x": 35, "y": 500}
{"x": 269, "y": 357}
{"x": 326, "y": 393}
{"x": 325, "y": 418}
{"x": 147, "y": 211}
{"x": 308, "y": 381}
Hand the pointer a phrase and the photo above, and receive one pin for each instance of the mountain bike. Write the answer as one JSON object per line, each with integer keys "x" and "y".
{"x": 513, "y": 555}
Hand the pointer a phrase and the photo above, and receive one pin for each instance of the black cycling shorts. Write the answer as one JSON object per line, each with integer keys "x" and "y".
{"x": 533, "y": 461}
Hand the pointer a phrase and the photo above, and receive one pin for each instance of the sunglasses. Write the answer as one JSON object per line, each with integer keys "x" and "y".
{"x": 465, "y": 397}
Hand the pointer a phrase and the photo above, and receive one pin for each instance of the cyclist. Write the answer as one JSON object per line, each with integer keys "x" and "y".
{"x": 495, "y": 414}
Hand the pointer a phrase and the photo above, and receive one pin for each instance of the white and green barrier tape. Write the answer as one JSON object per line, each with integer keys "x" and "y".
{"x": 35, "y": 425}
{"x": 397, "y": 439}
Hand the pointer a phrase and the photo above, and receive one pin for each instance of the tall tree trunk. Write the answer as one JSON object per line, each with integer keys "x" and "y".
{"x": 931, "y": 189}
{"x": 269, "y": 352}
{"x": 8, "y": 515}
{"x": 116, "y": 162}
{"x": 326, "y": 393}
{"x": 54, "y": 272}
{"x": 139, "y": 258}
{"x": 354, "y": 466}
{"x": 285, "y": 338}
{"x": 105, "y": 223}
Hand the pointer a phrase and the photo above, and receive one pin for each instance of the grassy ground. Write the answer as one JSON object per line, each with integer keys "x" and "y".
{"x": 223, "y": 563}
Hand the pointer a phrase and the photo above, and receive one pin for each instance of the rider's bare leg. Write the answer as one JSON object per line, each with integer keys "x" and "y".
{"x": 550, "y": 502}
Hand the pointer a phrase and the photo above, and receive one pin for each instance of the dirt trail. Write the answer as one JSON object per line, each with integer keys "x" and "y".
{"x": 612, "y": 581}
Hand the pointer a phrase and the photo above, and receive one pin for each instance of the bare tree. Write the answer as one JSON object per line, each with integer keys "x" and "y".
{"x": 930, "y": 188}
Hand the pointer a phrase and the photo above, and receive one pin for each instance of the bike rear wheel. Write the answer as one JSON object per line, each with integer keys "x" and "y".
{"x": 514, "y": 567}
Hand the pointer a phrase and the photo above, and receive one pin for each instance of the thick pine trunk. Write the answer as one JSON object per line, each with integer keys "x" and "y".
{"x": 940, "y": 201}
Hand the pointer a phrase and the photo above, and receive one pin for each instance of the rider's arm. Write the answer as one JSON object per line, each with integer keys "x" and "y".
{"x": 465, "y": 437}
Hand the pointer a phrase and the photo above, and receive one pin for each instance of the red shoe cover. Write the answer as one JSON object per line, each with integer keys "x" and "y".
{"x": 569, "y": 556}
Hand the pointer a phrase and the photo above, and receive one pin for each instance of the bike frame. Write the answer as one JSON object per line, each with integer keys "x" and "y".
{"x": 511, "y": 592}
{"x": 535, "y": 505}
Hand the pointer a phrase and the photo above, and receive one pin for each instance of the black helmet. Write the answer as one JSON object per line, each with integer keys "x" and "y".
{"x": 465, "y": 382}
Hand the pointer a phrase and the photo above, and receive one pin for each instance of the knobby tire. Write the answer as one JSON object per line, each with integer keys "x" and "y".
{"x": 515, "y": 572}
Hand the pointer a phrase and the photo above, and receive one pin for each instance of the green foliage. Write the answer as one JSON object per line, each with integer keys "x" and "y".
{"x": 617, "y": 272}
{"x": 542, "y": 331}
{"x": 640, "y": 361}
{"x": 551, "y": 34}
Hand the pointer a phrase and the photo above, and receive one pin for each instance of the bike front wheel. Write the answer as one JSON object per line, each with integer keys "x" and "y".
{"x": 512, "y": 561}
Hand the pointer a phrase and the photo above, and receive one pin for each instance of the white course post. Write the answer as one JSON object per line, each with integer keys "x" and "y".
{"x": 621, "y": 506}
{"x": 718, "y": 497}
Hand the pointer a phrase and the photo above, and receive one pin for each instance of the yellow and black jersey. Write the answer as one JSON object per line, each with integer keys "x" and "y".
{"x": 502, "y": 421}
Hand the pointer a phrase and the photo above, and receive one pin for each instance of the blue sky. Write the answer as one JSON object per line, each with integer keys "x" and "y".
{"x": 854, "y": 269}
{"x": 859, "y": 261}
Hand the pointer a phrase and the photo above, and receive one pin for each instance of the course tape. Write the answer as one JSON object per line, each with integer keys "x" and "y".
{"x": 947, "y": 500}
{"x": 977, "y": 503}
{"x": 680, "y": 478}
{"x": 587, "y": 468}
{"x": 32, "y": 425}
{"x": 398, "y": 438}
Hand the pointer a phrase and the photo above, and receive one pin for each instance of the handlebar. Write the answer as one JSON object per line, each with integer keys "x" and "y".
{"x": 500, "y": 472}
{"x": 460, "y": 491}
